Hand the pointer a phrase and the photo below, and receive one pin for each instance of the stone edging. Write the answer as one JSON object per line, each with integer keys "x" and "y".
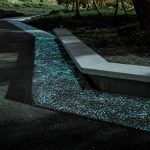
{"x": 92, "y": 64}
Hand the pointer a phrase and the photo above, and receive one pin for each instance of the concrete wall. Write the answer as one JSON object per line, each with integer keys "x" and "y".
{"x": 123, "y": 86}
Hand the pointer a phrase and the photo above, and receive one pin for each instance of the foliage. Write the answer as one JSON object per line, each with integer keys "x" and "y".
{"x": 28, "y": 7}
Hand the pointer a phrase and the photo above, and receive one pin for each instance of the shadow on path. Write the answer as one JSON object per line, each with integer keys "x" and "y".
{"x": 68, "y": 132}
{"x": 20, "y": 87}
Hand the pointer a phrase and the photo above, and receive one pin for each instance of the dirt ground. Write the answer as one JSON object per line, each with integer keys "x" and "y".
{"x": 7, "y": 14}
{"x": 125, "y": 54}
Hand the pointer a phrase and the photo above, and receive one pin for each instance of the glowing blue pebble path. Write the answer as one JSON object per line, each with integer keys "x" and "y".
{"x": 58, "y": 85}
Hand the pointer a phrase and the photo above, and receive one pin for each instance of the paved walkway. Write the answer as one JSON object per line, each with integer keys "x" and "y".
{"x": 58, "y": 85}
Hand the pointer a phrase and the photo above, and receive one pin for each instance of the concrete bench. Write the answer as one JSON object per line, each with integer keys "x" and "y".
{"x": 82, "y": 55}
{"x": 122, "y": 78}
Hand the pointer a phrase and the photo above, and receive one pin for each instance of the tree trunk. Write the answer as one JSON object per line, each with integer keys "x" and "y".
{"x": 73, "y": 5}
{"x": 116, "y": 9}
{"x": 142, "y": 8}
{"x": 77, "y": 8}
{"x": 88, "y": 5}
{"x": 123, "y": 6}
{"x": 95, "y": 5}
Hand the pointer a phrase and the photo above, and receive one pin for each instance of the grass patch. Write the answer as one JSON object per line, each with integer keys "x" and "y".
{"x": 27, "y": 8}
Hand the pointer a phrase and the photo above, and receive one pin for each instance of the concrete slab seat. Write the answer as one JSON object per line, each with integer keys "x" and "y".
{"x": 13, "y": 38}
{"x": 114, "y": 77}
